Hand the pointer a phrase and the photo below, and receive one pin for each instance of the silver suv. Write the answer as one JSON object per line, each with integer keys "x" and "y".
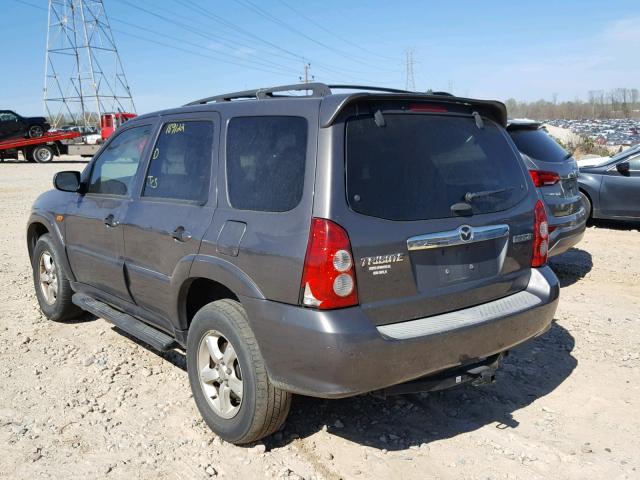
{"x": 555, "y": 173}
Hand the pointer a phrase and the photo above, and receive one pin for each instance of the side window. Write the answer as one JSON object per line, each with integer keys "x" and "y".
{"x": 634, "y": 163}
{"x": 8, "y": 117}
{"x": 115, "y": 169}
{"x": 180, "y": 165}
{"x": 266, "y": 162}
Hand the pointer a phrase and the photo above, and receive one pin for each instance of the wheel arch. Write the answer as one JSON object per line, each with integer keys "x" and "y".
{"x": 39, "y": 225}
{"x": 35, "y": 230}
{"x": 210, "y": 279}
{"x": 590, "y": 196}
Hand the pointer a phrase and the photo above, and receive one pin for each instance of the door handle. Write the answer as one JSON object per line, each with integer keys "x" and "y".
{"x": 181, "y": 235}
{"x": 110, "y": 221}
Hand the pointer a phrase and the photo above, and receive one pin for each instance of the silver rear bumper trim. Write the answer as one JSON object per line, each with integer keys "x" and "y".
{"x": 467, "y": 317}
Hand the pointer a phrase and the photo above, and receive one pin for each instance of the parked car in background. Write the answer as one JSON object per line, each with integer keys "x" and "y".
{"x": 13, "y": 125}
{"x": 555, "y": 173}
{"x": 610, "y": 186}
{"x": 90, "y": 134}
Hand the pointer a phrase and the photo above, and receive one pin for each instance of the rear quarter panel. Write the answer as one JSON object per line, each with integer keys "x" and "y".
{"x": 272, "y": 247}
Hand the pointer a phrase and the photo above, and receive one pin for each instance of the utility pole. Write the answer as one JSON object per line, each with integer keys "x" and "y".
{"x": 410, "y": 82}
{"x": 83, "y": 74}
{"x": 307, "y": 78}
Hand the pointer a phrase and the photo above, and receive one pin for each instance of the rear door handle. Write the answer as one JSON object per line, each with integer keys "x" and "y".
{"x": 181, "y": 235}
{"x": 110, "y": 221}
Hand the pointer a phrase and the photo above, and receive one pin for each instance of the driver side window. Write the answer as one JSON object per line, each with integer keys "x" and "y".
{"x": 8, "y": 117}
{"x": 634, "y": 163}
{"x": 115, "y": 169}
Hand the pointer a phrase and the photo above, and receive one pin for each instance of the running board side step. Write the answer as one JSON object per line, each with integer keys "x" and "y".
{"x": 143, "y": 332}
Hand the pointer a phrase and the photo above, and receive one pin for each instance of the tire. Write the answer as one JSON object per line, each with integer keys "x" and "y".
{"x": 261, "y": 409}
{"x": 587, "y": 205}
{"x": 55, "y": 302}
{"x": 36, "y": 131}
{"x": 42, "y": 154}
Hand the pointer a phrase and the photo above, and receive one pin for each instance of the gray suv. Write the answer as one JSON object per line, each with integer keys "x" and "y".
{"x": 555, "y": 174}
{"x": 297, "y": 240}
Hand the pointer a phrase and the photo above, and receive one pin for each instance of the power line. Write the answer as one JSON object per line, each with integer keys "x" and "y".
{"x": 240, "y": 29}
{"x": 207, "y": 35}
{"x": 199, "y": 54}
{"x": 333, "y": 34}
{"x": 39, "y": 7}
{"x": 264, "y": 65}
{"x": 260, "y": 11}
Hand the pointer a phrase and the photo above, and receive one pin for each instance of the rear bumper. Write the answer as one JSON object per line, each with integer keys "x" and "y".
{"x": 340, "y": 353}
{"x": 567, "y": 231}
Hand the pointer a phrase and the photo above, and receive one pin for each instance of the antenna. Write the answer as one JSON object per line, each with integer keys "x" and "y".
{"x": 410, "y": 82}
{"x": 83, "y": 75}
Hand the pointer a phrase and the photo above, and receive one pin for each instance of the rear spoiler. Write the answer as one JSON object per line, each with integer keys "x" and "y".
{"x": 332, "y": 105}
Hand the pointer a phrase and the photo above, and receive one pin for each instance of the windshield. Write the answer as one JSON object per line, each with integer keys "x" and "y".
{"x": 538, "y": 145}
{"x": 417, "y": 166}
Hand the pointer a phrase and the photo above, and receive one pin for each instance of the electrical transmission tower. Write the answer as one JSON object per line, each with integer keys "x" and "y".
{"x": 410, "y": 82}
{"x": 83, "y": 73}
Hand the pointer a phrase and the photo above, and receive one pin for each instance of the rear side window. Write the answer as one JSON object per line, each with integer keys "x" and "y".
{"x": 417, "y": 166}
{"x": 538, "y": 145}
{"x": 180, "y": 166}
{"x": 266, "y": 162}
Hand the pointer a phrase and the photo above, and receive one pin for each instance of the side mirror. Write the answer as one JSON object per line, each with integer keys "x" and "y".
{"x": 623, "y": 168}
{"x": 68, "y": 181}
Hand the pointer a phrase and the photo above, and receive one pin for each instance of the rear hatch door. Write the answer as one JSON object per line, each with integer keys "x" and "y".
{"x": 442, "y": 212}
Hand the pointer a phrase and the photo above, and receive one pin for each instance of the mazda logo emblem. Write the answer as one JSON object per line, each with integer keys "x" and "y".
{"x": 466, "y": 233}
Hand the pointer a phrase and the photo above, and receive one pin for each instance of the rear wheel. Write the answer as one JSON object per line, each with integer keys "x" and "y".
{"x": 53, "y": 289}
{"x": 36, "y": 131}
{"x": 228, "y": 377}
{"x": 42, "y": 154}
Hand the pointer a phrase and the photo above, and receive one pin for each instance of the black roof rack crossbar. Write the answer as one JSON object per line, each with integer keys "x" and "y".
{"x": 366, "y": 87}
{"x": 316, "y": 89}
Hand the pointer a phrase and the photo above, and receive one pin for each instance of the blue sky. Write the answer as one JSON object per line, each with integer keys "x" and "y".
{"x": 487, "y": 49}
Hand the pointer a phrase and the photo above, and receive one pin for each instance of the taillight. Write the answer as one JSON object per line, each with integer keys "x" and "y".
{"x": 541, "y": 178}
{"x": 540, "y": 236}
{"x": 328, "y": 279}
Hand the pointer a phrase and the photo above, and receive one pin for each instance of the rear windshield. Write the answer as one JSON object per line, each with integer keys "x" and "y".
{"x": 539, "y": 145}
{"x": 418, "y": 165}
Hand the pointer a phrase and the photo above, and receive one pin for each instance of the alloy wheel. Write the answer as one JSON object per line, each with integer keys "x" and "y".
{"x": 48, "y": 278}
{"x": 220, "y": 375}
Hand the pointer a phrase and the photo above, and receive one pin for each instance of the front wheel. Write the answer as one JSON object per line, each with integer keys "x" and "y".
{"x": 53, "y": 289}
{"x": 228, "y": 377}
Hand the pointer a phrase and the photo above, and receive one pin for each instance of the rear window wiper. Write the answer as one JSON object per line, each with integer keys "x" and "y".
{"x": 470, "y": 196}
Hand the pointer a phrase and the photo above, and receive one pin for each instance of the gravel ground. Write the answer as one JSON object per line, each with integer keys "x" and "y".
{"x": 79, "y": 400}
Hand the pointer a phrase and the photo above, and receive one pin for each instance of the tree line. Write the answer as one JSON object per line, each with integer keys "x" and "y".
{"x": 614, "y": 103}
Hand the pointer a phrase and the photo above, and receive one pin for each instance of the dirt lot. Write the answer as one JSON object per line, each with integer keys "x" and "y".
{"x": 80, "y": 400}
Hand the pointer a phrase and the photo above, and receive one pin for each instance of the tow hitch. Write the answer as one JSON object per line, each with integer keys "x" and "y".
{"x": 479, "y": 373}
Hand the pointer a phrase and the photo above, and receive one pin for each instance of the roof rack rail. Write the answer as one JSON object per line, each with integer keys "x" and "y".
{"x": 370, "y": 88}
{"x": 316, "y": 89}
